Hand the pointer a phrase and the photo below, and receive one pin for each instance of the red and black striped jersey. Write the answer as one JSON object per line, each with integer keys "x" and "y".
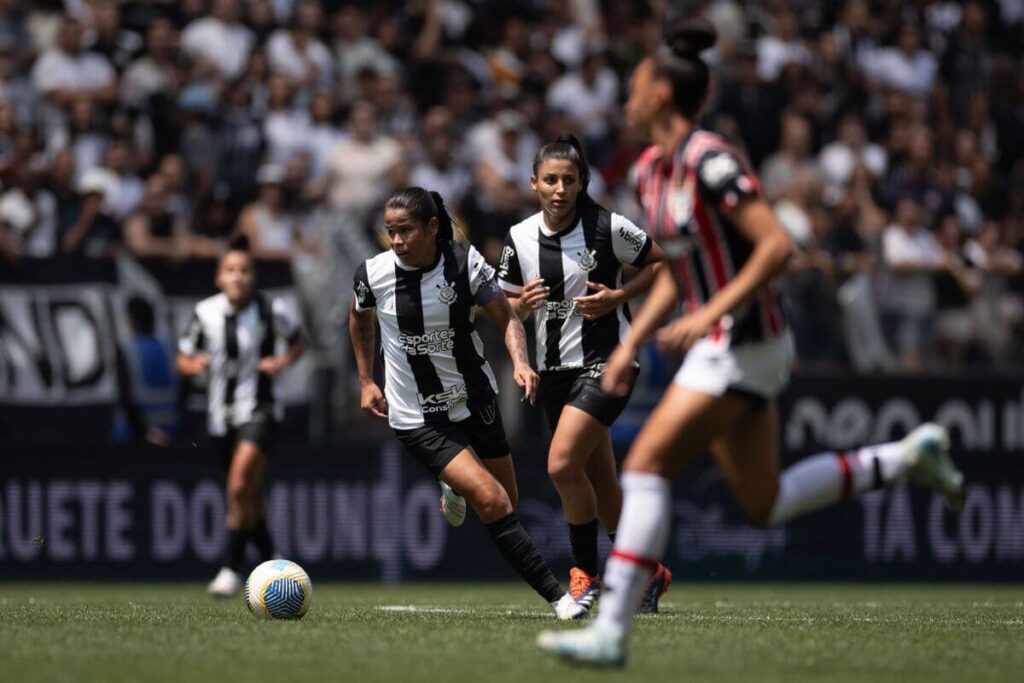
{"x": 688, "y": 201}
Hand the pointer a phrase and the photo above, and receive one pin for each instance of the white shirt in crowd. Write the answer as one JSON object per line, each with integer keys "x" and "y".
{"x": 226, "y": 46}
{"x": 122, "y": 194}
{"x": 913, "y": 74}
{"x": 590, "y": 105}
{"x": 358, "y": 171}
{"x": 287, "y": 58}
{"x": 837, "y": 161}
{"x": 452, "y": 183}
{"x": 773, "y": 54}
{"x": 911, "y": 292}
{"x": 287, "y": 134}
{"x": 57, "y": 70}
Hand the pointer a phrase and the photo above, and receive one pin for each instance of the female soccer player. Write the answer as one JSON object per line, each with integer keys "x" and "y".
{"x": 440, "y": 394}
{"x": 232, "y": 337}
{"x": 564, "y": 265}
{"x": 725, "y": 246}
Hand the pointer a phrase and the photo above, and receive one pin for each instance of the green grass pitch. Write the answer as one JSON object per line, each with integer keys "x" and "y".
{"x": 485, "y": 633}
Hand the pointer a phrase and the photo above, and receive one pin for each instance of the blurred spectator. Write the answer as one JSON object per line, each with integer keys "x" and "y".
{"x": 154, "y": 231}
{"x": 29, "y": 214}
{"x": 794, "y": 154}
{"x": 353, "y": 46}
{"x": 146, "y": 384}
{"x": 241, "y": 145}
{"x": 286, "y": 128}
{"x": 912, "y": 256}
{"x": 588, "y": 98}
{"x": 323, "y": 132}
{"x": 905, "y": 66}
{"x": 108, "y": 38}
{"x": 272, "y": 229}
{"x": 851, "y": 147}
{"x": 297, "y": 52}
{"x": 781, "y": 45}
{"x": 154, "y": 73}
{"x": 360, "y": 166}
{"x": 219, "y": 42}
{"x": 440, "y": 171}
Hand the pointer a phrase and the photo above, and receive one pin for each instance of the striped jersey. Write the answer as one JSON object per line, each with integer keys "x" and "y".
{"x": 236, "y": 340}
{"x": 688, "y": 199}
{"x": 434, "y": 366}
{"x": 594, "y": 249}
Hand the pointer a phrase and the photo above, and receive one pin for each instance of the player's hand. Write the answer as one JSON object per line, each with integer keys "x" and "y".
{"x": 619, "y": 372}
{"x": 528, "y": 381}
{"x": 271, "y": 365}
{"x": 533, "y": 296}
{"x": 372, "y": 400}
{"x": 198, "y": 364}
{"x": 603, "y": 301}
{"x": 679, "y": 335}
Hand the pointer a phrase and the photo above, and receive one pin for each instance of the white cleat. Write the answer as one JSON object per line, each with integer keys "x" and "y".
{"x": 595, "y": 645}
{"x": 568, "y": 609}
{"x": 453, "y": 506}
{"x": 226, "y": 584}
{"x": 927, "y": 449}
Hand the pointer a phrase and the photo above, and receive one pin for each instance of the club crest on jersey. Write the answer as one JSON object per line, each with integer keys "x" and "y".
{"x": 446, "y": 294}
{"x": 586, "y": 260}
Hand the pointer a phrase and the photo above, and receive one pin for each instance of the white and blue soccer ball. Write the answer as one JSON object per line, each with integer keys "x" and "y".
{"x": 278, "y": 589}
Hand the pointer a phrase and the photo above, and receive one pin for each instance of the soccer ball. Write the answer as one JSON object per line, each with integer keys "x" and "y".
{"x": 278, "y": 589}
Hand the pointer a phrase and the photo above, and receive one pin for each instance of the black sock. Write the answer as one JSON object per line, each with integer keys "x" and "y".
{"x": 516, "y": 546}
{"x": 611, "y": 537}
{"x": 583, "y": 539}
{"x": 259, "y": 534}
{"x": 234, "y": 549}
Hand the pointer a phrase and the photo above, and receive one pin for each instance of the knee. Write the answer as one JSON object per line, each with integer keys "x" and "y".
{"x": 563, "y": 470}
{"x": 237, "y": 492}
{"x": 492, "y": 503}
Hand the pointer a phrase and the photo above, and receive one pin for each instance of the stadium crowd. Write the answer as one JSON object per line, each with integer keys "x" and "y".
{"x": 889, "y": 137}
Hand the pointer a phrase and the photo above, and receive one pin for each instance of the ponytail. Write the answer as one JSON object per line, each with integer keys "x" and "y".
{"x": 422, "y": 206}
{"x": 445, "y": 225}
{"x": 682, "y": 65}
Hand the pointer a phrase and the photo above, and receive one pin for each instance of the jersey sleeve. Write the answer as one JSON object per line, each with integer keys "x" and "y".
{"x": 286, "y": 324}
{"x": 510, "y": 274}
{"x": 724, "y": 179}
{"x": 365, "y": 300}
{"x": 630, "y": 244}
{"x": 481, "y": 273}
{"x": 193, "y": 339}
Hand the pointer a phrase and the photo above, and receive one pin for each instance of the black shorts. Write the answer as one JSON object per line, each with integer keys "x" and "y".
{"x": 434, "y": 446}
{"x": 579, "y": 388}
{"x": 260, "y": 432}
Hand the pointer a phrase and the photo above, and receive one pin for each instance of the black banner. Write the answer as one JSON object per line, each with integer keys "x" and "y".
{"x": 367, "y": 511}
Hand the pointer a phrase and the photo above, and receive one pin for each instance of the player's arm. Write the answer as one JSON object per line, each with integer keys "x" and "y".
{"x": 512, "y": 329}
{"x": 361, "y": 328}
{"x": 605, "y": 299}
{"x": 191, "y": 359}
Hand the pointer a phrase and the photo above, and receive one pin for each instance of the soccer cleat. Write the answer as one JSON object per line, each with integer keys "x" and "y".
{"x": 656, "y": 587}
{"x": 584, "y": 588}
{"x": 567, "y": 609}
{"x": 226, "y": 584}
{"x": 453, "y": 506}
{"x": 596, "y": 645}
{"x": 927, "y": 451}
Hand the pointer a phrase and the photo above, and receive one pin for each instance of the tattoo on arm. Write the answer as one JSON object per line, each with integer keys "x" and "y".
{"x": 515, "y": 339}
{"x": 363, "y": 334}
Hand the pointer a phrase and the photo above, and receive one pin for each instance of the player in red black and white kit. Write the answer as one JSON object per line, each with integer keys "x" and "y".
{"x": 724, "y": 246}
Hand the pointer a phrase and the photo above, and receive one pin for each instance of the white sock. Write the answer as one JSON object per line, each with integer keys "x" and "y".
{"x": 639, "y": 544}
{"x": 821, "y": 480}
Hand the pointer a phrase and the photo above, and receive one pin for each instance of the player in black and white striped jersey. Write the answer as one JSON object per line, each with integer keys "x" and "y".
{"x": 564, "y": 265}
{"x": 440, "y": 394}
{"x": 232, "y": 338}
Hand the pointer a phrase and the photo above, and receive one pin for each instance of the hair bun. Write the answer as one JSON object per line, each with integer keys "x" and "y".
{"x": 690, "y": 37}
{"x": 239, "y": 242}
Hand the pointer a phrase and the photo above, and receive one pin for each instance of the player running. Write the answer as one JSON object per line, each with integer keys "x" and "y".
{"x": 564, "y": 265}
{"x": 440, "y": 394}
{"x": 724, "y": 246}
{"x": 232, "y": 338}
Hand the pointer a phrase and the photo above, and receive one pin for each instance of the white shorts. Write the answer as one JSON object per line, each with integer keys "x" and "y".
{"x": 760, "y": 369}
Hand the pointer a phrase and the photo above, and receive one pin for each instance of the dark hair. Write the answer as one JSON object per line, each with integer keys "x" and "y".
{"x": 239, "y": 242}
{"x": 423, "y": 205}
{"x": 568, "y": 146}
{"x": 682, "y": 66}
{"x": 140, "y": 315}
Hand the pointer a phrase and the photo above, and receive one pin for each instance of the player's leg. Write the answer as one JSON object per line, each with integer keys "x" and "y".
{"x": 679, "y": 430}
{"x": 604, "y": 477}
{"x": 243, "y": 464}
{"x": 748, "y": 458}
{"x": 504, "y": 471}
{"x": 466, "y": 474}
